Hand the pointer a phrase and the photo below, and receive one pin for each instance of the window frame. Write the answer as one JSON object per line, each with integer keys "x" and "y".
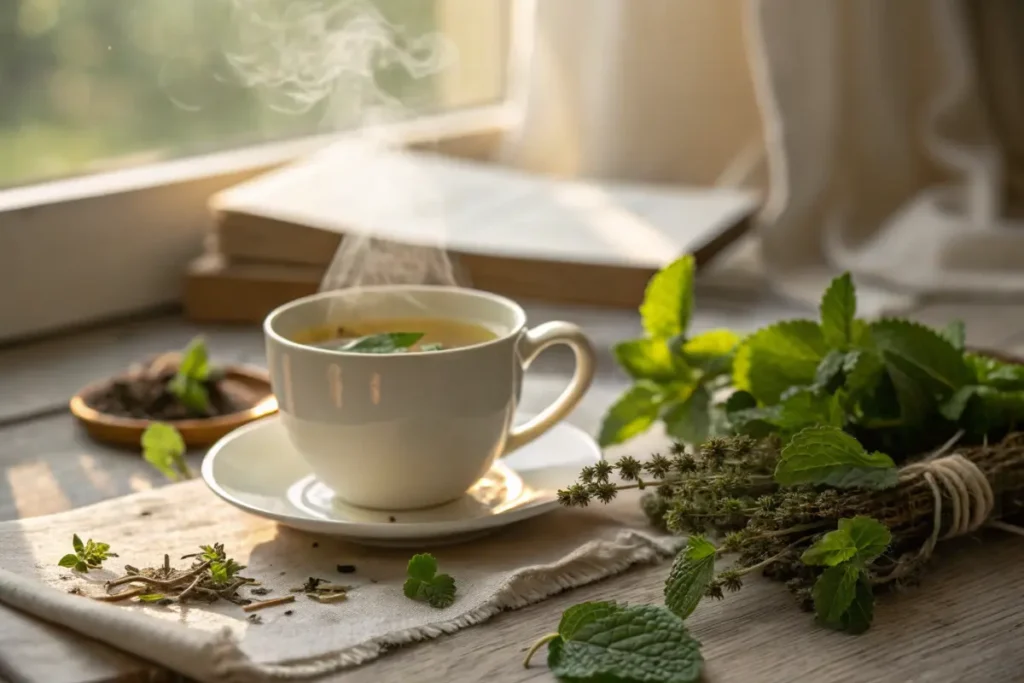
{"x": 80, "y": 250}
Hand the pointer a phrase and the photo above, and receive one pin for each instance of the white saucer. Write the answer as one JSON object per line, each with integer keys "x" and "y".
{"x": 255, "y": 468}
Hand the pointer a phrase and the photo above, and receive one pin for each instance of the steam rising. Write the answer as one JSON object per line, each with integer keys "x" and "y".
{"x": 301, "y": 53}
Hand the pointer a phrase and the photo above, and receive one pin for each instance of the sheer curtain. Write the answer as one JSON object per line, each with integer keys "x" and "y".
{"x": 892, "y": 132}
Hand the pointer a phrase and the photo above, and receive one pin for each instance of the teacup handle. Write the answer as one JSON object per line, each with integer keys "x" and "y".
{"x": 530, "y": 346}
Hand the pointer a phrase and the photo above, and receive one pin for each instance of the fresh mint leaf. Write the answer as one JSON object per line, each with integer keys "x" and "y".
{"x": 436, "y": 346}
{"x": 805, "y": 407}
{"x": 829, "y": 375}
{"x": 922, "y": 354}
{"x": 439, "y": 592}
{"x": 838, "y": 308}
{"x": 577, "y": 616}
{"x": 422, "y": 567}
{"x": 689, "y": 420}
{"x": 858, "y": 616}
{"x": 834, "y": 592}
{"x": 778, "y": 357}
{"x": 424, "y": 584}
{"x": 668, "y": 300}
{"x": 829, "y": 456}
{"x": 953, "y": 408}
{"x": 692, "y": 571}
{"x": 956, "y": 334}
{"x": 711, "y": 351}
{"x": 869, "y": 536}
{"x": 387, "y": 342}
{"x": 164, "y": 448}
{"x": 649, "y": 359}
{"x": 631, "y": 415}
{"x": 641, "y": 643}
{"x": 862, "y": 369}
{"x": 833, "y": 548}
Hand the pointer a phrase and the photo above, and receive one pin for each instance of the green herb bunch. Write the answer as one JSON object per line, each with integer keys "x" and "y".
{"x": 813, "y": 420}
{"x": 802, "y": 511}
{"x": 896, "y": 385}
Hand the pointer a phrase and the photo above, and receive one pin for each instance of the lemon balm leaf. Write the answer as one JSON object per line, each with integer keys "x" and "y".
{"x": 668, "y": 300}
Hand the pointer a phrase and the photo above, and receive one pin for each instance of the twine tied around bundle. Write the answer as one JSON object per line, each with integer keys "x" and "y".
{"x": 968, "y": 491}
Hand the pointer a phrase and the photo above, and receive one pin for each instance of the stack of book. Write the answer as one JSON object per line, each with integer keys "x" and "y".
{"x": 511, "y": 232}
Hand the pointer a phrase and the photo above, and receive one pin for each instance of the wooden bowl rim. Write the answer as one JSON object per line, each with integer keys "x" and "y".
{"x": 266, "y": 406}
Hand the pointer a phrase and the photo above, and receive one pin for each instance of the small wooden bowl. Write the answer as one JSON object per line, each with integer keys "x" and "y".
{"x": 127, "y": 431}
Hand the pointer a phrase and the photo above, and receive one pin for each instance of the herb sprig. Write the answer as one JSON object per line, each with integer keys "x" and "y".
{"x": 426, "y": 585}
{"x": 88, "y": 555}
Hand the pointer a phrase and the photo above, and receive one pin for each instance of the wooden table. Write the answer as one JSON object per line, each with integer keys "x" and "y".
{"x": 965, "y": 623}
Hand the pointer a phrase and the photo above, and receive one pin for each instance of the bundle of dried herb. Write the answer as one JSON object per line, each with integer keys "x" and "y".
{"x": 873, "y": 528}
{"x": 797, "y": 485}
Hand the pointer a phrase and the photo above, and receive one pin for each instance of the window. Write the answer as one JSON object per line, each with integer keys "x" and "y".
{"x": 119, "y": 119}
{"x": 94, "y": 85}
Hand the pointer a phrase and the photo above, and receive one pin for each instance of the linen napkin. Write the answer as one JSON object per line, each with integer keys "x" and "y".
{"x": 511, "y": 568}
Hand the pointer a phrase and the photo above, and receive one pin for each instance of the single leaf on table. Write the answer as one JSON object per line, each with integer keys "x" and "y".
{"x": 387, "y": 342}
{"x": 778, "y": 357}
{"x": 640, "y": 643}
{"x": 834, "y": 592}
{"x": 632, "y": 414}
{"x": 833, "y": 548}
{"x": 838, "y": 308}
{"x": 579, "y": 615}
{"x": 869, "y": 536}
{"x": 956, "y": 334}
{"x": 423, "y": 583}
{"x": 668, "y": 300}
{"x": 691, "y": 572}
{"x": 922, "y": 354}
{"x": 829, "y": 456}
{"x": 857, "y": 617}
{"x": 650, "y": 359}
{"x": 689, "y": 420}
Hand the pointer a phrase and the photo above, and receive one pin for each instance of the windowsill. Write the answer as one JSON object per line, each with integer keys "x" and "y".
{"x": 111, "y": 244}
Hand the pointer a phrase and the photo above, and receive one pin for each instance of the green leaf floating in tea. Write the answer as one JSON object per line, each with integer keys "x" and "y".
{"x": 388, "y": 342}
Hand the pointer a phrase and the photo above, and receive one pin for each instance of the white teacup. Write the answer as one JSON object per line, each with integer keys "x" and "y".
{"x": 411, "y": 430}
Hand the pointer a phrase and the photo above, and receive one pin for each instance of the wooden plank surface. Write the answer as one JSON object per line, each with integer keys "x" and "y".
{"x": 955, "y": 627}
